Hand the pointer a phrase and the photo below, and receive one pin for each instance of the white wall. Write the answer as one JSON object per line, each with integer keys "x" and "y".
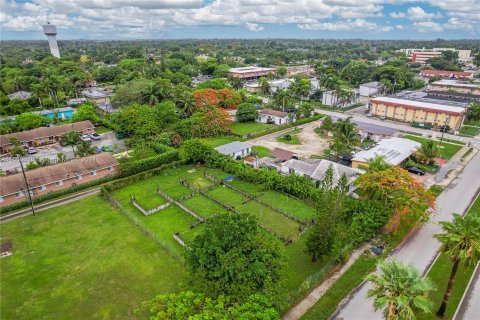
{"x": 242, "y": 154}
{"x": 277, "y": 120}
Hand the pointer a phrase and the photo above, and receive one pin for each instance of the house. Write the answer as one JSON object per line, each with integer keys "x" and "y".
{"x": 431, "y": 112}
{"x": 20, "y": 95}
{"x": 374, "y": 132}
{"x": 44, "y": 135}
{"x": 370, "y": 89}
{"x": 96, "y": 95}
{"x": 281, "y": 84}
{"x": 272, "y": 116}
{"x": 56, "y": 177}
{"x": 316, "y": 170}
{"x": 446, "y": 74}
{"x": 75, "y": 101}
{"x": 236, "y": 149}
{"x": 282, "y": 154}
{"x": 393, "y": 150}
{"x": 60, "y": 113}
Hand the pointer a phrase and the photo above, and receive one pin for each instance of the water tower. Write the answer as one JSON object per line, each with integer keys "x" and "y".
{"x": 51, "y": 32}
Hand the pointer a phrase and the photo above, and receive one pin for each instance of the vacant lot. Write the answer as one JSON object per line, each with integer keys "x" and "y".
{"x": 242, "y": 128}
{"x": 447, "y": 150}
{"x": 82, "y": 260}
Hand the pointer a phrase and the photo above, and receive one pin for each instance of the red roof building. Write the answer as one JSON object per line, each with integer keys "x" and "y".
{"x": 447, "y": 74}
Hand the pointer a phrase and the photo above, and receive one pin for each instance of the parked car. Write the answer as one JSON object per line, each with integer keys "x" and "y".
{"x": 444, "y": 128}
{"x": 95, "y": 136}
{"x": 120, "y": 136}
{"x": 416, "y": 170}
{"x": 383, "y": 118}
{"x": 86, "y": 137}
{"x": 31, "y": 150}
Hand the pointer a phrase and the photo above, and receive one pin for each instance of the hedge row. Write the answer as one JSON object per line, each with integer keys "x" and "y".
{"x": 131, "y": 168}
{"x": 56, "y": 194}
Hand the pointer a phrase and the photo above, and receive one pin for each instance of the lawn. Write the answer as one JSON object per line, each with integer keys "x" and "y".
{"x": 218, "y": 141}
{"x": 469, "y": 130}
{"x": 436, "y": 189}
{"x": 447, "y": 150}
{"x": 243, "y": 128}
{"x": 295, "y": 207}
{"x": 261, "y": 151}
{"x": 203, "y": 206}
{"x": 82, "y": 260}
{"x": 293, "y": 134}
{"x": 439, "y": 274}
{"x": 102, "y": 129}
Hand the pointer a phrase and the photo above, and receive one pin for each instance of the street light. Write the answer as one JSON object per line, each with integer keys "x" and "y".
{"x": 26, "y": 183}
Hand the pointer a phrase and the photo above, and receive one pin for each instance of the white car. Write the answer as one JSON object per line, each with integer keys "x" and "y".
{"x": 31, "y": 150}
{"x": 86, "y": 137}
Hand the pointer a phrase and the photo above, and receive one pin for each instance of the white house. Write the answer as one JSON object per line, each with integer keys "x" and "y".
{"x": 272, "y": 116}
{"x": 316, "y": 170}
{"x": 236, "y": 149}
{"x": 330, "y": 98}
{"x": 370, "y": 89}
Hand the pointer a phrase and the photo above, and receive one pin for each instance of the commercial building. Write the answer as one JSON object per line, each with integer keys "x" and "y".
{"x": 305, "y": 70}
{"x": 422, "y": 55}
{"x": 20, "y": 95}
{"x": 272, "y": 116}
{"x": 330, "y": 98}
{"x": 235, "y": 149}
{"x": 394, "y": 151}
{"x": 316, "y": 170}
{"x": 374, "y": 132}
{"x": 455, "y": 86}
{"x": 56, "y": 177}
{"x": 446, "y": 74}
{"x": 44, "y": 135}
{"x": 370, "y": 89}
{"x": 251, "y": 72}
{"x": 421, "y": 112}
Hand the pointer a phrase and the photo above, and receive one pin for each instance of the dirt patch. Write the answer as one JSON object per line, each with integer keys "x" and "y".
{"x": 6, "y": 249}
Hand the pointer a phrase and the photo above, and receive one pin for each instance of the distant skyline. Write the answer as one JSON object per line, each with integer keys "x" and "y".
{"x": 176, "y": 19}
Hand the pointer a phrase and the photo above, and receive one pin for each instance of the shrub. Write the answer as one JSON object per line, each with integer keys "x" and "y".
{"x": 130, "y": 168}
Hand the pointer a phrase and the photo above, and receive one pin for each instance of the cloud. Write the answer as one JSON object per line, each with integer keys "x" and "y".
{"x": 417, "y": 13}
{"x": 253, "y": 27}
{"x": 428, "y": 26}
{"x": 349, "y": 25}
{"x": 397, "y": 15}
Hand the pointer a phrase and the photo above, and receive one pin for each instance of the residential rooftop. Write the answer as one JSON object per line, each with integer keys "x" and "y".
{"x": 456, "y": 83}
{"x": 275, "y": 113}
{"x": 233, "y": 147}
{"x": 394, "y": 151}
{"x": 20, "y": 95}
{"x": 250, "y": 69}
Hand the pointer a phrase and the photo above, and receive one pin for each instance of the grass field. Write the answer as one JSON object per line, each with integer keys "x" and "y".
{"x": 469, "y": 130}
{"x": 261, "y": 151}
{"x": 243, "y": 128}
{"x": 447, "y": 150}
{"x": 82, "y": 260}
{"x": 294, "y": 137}
{"x": 102, "y": 129}
{"x": 218, "y": 141}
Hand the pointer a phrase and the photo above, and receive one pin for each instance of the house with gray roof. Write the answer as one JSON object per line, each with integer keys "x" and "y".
{"x": 20, "y": 95}
{"x": 316, "y": 170}
{"x": 235, "y": 149}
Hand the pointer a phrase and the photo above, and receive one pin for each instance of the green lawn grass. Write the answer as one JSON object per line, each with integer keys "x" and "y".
{"x": 447, "y": 150}
{"x": 436, "y": 189}
{"x": 82, "y": 260}
{"x": 262, "y": 151}
{"x": 294, "y": 137}
{"x": 218, "y": 141}
{"x": 295, "y": 207}
{"x": 243, "y": 128}
{"x": 102, "y": 129}
{"x": 469, "y": 130}
{"x": 203, "y": 206}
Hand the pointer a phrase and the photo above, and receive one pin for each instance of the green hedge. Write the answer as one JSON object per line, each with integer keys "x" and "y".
{"x": 56, "y": 194}
{"x": 131, "y": 168}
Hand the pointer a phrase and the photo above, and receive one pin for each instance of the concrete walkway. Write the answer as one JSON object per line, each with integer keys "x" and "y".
{"x": 302, "y": 307}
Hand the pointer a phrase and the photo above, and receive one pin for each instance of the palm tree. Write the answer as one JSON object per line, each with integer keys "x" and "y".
{"x": 151, "y": 94}
{"x": 399, "y": 290}
{"x": 345, "y": 132}
{"x": 461, "y": 243}
{"x": 427, "y": 152}
{"x": 283, "y": 97}
{"x": 264, "y": 85}
{"x": 236, "y": 83}
{"x": 70, "y": 139}
{"x": 186, "y": 103}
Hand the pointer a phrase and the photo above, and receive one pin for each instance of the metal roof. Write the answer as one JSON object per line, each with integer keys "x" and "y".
{"x": 394, "y": 151}
{"x": 232, "y": 147}
{"x": 444, "y": 106}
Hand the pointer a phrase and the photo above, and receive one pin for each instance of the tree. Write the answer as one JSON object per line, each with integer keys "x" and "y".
{"x": 401, "y": 194}
{"x": 301, "y": 88}
{"x": 186, "y": 103}
{"x": 427, "y": 152}
{"x": 216, "y": 84}
{"x": 345, "y": 132}
{"x": 211, "y": 121}
{"x": 190, "y": 305}
{"x": 84, "y": 149}
{"x": 138, "y": 120}
{"x": 283, "y": 97}
{"x": 461, "y": 243}
{"x": 399, "y": 290}
{"x": 233, "y": 258}
{"x": 376, "y": 164}
{"x": 264, "y": 84}
{"x": 440, "y": 63}
{"x": 473, "y": 113}
{"x": 356, "y": 72}
{"x": 27, "y": 121}
{"x": 61, "y": 157}
{"x": 221, "y": 71}
{"x": 326, "y": 126}
{"x": 71, "y": 139}
{"x": 17, "y": 149}
{"x": 235, "y": 82}
{"x": 246, "y": 112}
{"x": 86, "y": 112}
{"x": 282, "y": 71}
{"x": 131, "y": 92}
{"x": 367, "y": 217}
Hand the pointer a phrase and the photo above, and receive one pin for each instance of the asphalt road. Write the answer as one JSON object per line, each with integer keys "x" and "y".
{"x": 469, "y": 308}
{"x": 420, "y": 249}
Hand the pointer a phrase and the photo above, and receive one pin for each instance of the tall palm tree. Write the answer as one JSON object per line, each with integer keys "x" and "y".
{"x": 427, "y": 152}
{"x": 345, "y": 132}
{"x": 264, "y": 85}
{"x": 151, "y": 94}
{"x": 461, "y": 243}
{"x": 399, "y": 290}
{"x": 186, "y": 103}
{"x": 283, "y": 97}
{"x": 71, "y": 138}
{"x": 236, "y": 83}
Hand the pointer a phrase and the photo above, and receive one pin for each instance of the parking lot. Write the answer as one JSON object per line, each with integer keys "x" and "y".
{"x": 51, "y": 152}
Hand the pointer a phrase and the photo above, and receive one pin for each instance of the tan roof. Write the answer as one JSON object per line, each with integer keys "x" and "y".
{"x": 61, "y": 171}
{"x": 271, "y": 112}
{"x": 282, "y": 154}
{"x": 44, "y": 132}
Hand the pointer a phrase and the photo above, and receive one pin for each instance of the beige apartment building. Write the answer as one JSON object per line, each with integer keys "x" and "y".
{"x": 455, "y": 86}
{"x": 417, "y": 111}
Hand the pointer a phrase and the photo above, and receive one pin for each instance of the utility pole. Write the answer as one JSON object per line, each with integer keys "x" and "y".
{"x": 443, "y": 133}
{"x": 26, "y": 183}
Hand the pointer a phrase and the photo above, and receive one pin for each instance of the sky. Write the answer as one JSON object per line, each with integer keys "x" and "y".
{"x": 173, "y": 19}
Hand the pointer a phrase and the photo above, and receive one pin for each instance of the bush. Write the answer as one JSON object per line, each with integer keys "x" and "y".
{"x": 131, "y": 168}
{"x": 367, "y": 218}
